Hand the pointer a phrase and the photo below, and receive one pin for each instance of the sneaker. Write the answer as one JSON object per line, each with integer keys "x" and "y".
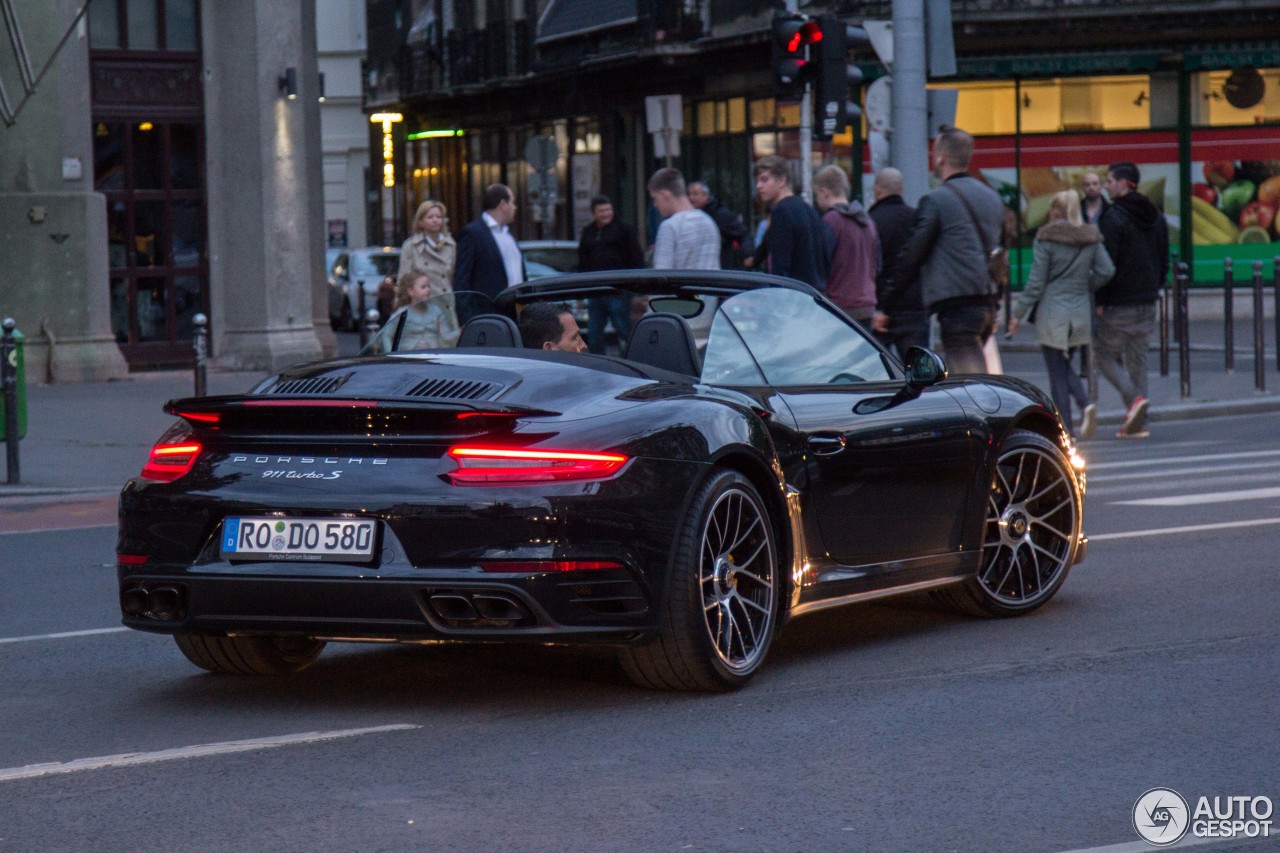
{"x": 1134, "y": 417}
{"x": 1089, "y": 421}
{"x": 1142, "y": 433}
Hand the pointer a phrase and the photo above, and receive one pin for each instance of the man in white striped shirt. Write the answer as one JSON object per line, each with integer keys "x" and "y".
{"x": 688, "y": 239}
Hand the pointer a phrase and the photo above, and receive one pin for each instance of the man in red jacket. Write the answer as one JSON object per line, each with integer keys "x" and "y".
{"x": 856, "y": 260}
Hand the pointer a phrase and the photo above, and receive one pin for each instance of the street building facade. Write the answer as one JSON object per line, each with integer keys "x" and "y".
{"x": 1051, "y": 90}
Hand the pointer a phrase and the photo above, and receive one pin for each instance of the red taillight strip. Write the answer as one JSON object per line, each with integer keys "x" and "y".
{"x": 317, "y": 404}
{"x": 168, "y": 462}
{"x": 526, "y": 566}
{"x": 479, "y": 466}
{"x": 200, "y": 417}
{"x": 132, "y": 559}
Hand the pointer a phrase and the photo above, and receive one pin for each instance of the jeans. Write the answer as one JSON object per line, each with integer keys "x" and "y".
{"x": 965, "y": 328}
{"x": 1064, "y": 383}
{"x": 602, "y": 309}
{"x": 905, "y": 331}
{"x": 1120, "y": 342}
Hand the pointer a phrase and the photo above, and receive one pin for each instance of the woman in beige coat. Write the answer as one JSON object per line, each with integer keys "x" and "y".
{"x": 1070, "y": 264}
{"x": 430, "y": 250}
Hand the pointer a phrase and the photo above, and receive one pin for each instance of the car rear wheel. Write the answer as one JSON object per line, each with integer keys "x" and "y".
{"x": 249, "y": 655}
{"x": 722, "y": 595}
{"x": 1031, "y": 531}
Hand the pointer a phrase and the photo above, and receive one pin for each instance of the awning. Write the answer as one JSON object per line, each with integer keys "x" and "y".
{"x": 563, "y": 19}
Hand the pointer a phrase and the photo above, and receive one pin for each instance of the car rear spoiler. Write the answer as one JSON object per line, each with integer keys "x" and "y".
{"x": 253, "y": 410}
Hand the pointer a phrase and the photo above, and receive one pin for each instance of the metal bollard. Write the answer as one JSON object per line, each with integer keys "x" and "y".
{"x": 369, "y": 328}
{"x": 1228, "y": 316}
{"x": 1259, "y": 374}
{"x": 9, "y": 376}
{"x": 201, "y": 324}
{"x": 1275, "y": 295}
{"x": 361, "y": 312}
{"x": 1260, "y": 379}
{"x": 1182, "y": 316}
{"x": 1162, "y": 306}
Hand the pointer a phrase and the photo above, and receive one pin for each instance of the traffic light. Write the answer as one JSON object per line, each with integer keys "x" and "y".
{"x": 835, "y": 78}
{"x": 792, "y": 58}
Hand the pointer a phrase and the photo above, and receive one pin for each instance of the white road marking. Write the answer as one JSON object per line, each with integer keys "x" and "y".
{"x": 133, "y": 759}
{"x": 57, "y": 529}
{"x": 1190, "y": 528}
{"x": 1205, "y": 498}
{"x": 1208, "y": 457}
{"x": 1179, "y": 472}
{"x": 1141, "y": 846}
{"x": 62, "y": 635}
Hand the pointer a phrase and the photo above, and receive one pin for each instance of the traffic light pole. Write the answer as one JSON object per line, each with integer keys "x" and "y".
{"x": 806, "y": 128}
{"x": 909, "y": 148}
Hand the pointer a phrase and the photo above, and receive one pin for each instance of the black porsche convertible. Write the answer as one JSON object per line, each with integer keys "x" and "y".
{"x": 680, "y": 502}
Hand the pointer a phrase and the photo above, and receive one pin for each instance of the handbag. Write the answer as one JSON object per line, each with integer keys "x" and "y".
{"x": 997, "y": 258}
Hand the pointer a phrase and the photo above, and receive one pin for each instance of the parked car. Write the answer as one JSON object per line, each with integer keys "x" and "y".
{"x": 336, "y": 296}
{"x": 371, "y": 265}
{"x": 678, "y": 504}
{"x": 548, "y": 257}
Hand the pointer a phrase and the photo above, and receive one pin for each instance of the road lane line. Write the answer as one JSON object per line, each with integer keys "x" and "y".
{"x": 62, "y": 635}
{"x": 1190, "y": 528}
{"x": 1267, "y": 467}
{"x": 1209, "y": 457}
{"x": 133, "y": 759}
{"x": 1205, "y": 498}
{"x": 1141, "y": 846}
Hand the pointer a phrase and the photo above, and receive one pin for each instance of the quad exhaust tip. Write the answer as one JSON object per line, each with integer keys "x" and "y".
{"x": 488, "y": 609}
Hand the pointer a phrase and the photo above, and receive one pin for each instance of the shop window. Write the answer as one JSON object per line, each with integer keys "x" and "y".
{"x": 762, "y": 112}
{"x": 144, "y": 32}
{"x": 1085, "y": 103}
{"x": 737, "y": 108}
{"x": 706, "y": 118}
{"x": 788, "y": 115}
{"x": 986, "y": 108}
{"x": 104, "y": 24}
{"x": 179, "y": 24}
{"x": 1236, "y": 96}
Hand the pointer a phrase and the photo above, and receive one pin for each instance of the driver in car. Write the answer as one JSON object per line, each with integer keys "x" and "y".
{"x": 550, "y": 326}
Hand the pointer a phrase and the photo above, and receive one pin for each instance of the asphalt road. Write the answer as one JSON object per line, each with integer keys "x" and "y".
{"x": 880, "y": 728}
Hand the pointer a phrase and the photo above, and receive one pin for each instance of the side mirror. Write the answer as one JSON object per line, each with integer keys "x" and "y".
{"x": 924, "y": 368}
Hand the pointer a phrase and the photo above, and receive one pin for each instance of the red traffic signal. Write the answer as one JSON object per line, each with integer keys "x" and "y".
{"x": 792, "y": 66}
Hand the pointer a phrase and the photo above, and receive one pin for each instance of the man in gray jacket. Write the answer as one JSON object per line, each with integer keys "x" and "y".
{"x": 949, "y": 254}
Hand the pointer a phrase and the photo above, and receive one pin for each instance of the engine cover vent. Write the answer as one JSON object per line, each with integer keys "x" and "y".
{"x": 453, "y": 389}
{"x": 311, "y": 385}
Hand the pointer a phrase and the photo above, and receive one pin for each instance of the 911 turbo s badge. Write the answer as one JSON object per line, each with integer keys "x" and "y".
{"x": 282, "y": 467}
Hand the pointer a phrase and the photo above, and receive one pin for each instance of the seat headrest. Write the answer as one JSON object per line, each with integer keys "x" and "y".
{"x": 665, "y": 341}
{"x": 490, "y": 330}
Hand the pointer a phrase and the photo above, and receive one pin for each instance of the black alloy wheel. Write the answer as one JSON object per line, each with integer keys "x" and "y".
{"x": 721, "y": 610}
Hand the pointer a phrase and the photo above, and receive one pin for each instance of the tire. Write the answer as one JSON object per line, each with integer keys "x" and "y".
{"x": 249, "y": 655}
{"x": 720, "y": 612}
{"x": 1030, "y": 534}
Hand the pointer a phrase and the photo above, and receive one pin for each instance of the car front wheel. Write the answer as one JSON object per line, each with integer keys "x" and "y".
{"x": 1031, "y": 531}
{"x": 721, "y": 605}
{"x": 249, "y": 655}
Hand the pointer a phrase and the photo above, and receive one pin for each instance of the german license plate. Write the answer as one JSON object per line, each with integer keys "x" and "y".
{"x": 307, "y": 539}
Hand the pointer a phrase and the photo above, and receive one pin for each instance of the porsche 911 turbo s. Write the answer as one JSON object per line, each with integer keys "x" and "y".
{"x": 677, "y": 503}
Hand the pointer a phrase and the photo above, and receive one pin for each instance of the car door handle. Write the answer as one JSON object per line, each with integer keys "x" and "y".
{"x": 826, "y": 443}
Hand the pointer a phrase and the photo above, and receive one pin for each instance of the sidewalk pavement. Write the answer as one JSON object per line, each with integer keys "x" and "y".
{"x": 87, "y": 439}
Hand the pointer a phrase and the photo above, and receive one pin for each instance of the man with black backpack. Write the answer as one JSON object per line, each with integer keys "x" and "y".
{"x": 955, "y": 248}
{"x": 735, "y": 239}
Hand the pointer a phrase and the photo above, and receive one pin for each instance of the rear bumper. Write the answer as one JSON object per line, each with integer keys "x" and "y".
{"x": 607, "y": 606}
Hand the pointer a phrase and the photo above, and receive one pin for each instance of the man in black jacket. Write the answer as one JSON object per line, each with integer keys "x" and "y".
{"x": 893, "y": 218}
{"x": 608, "y": 243}
{"x": 1137, "y": 239}
{"x": 735, "y": 239}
